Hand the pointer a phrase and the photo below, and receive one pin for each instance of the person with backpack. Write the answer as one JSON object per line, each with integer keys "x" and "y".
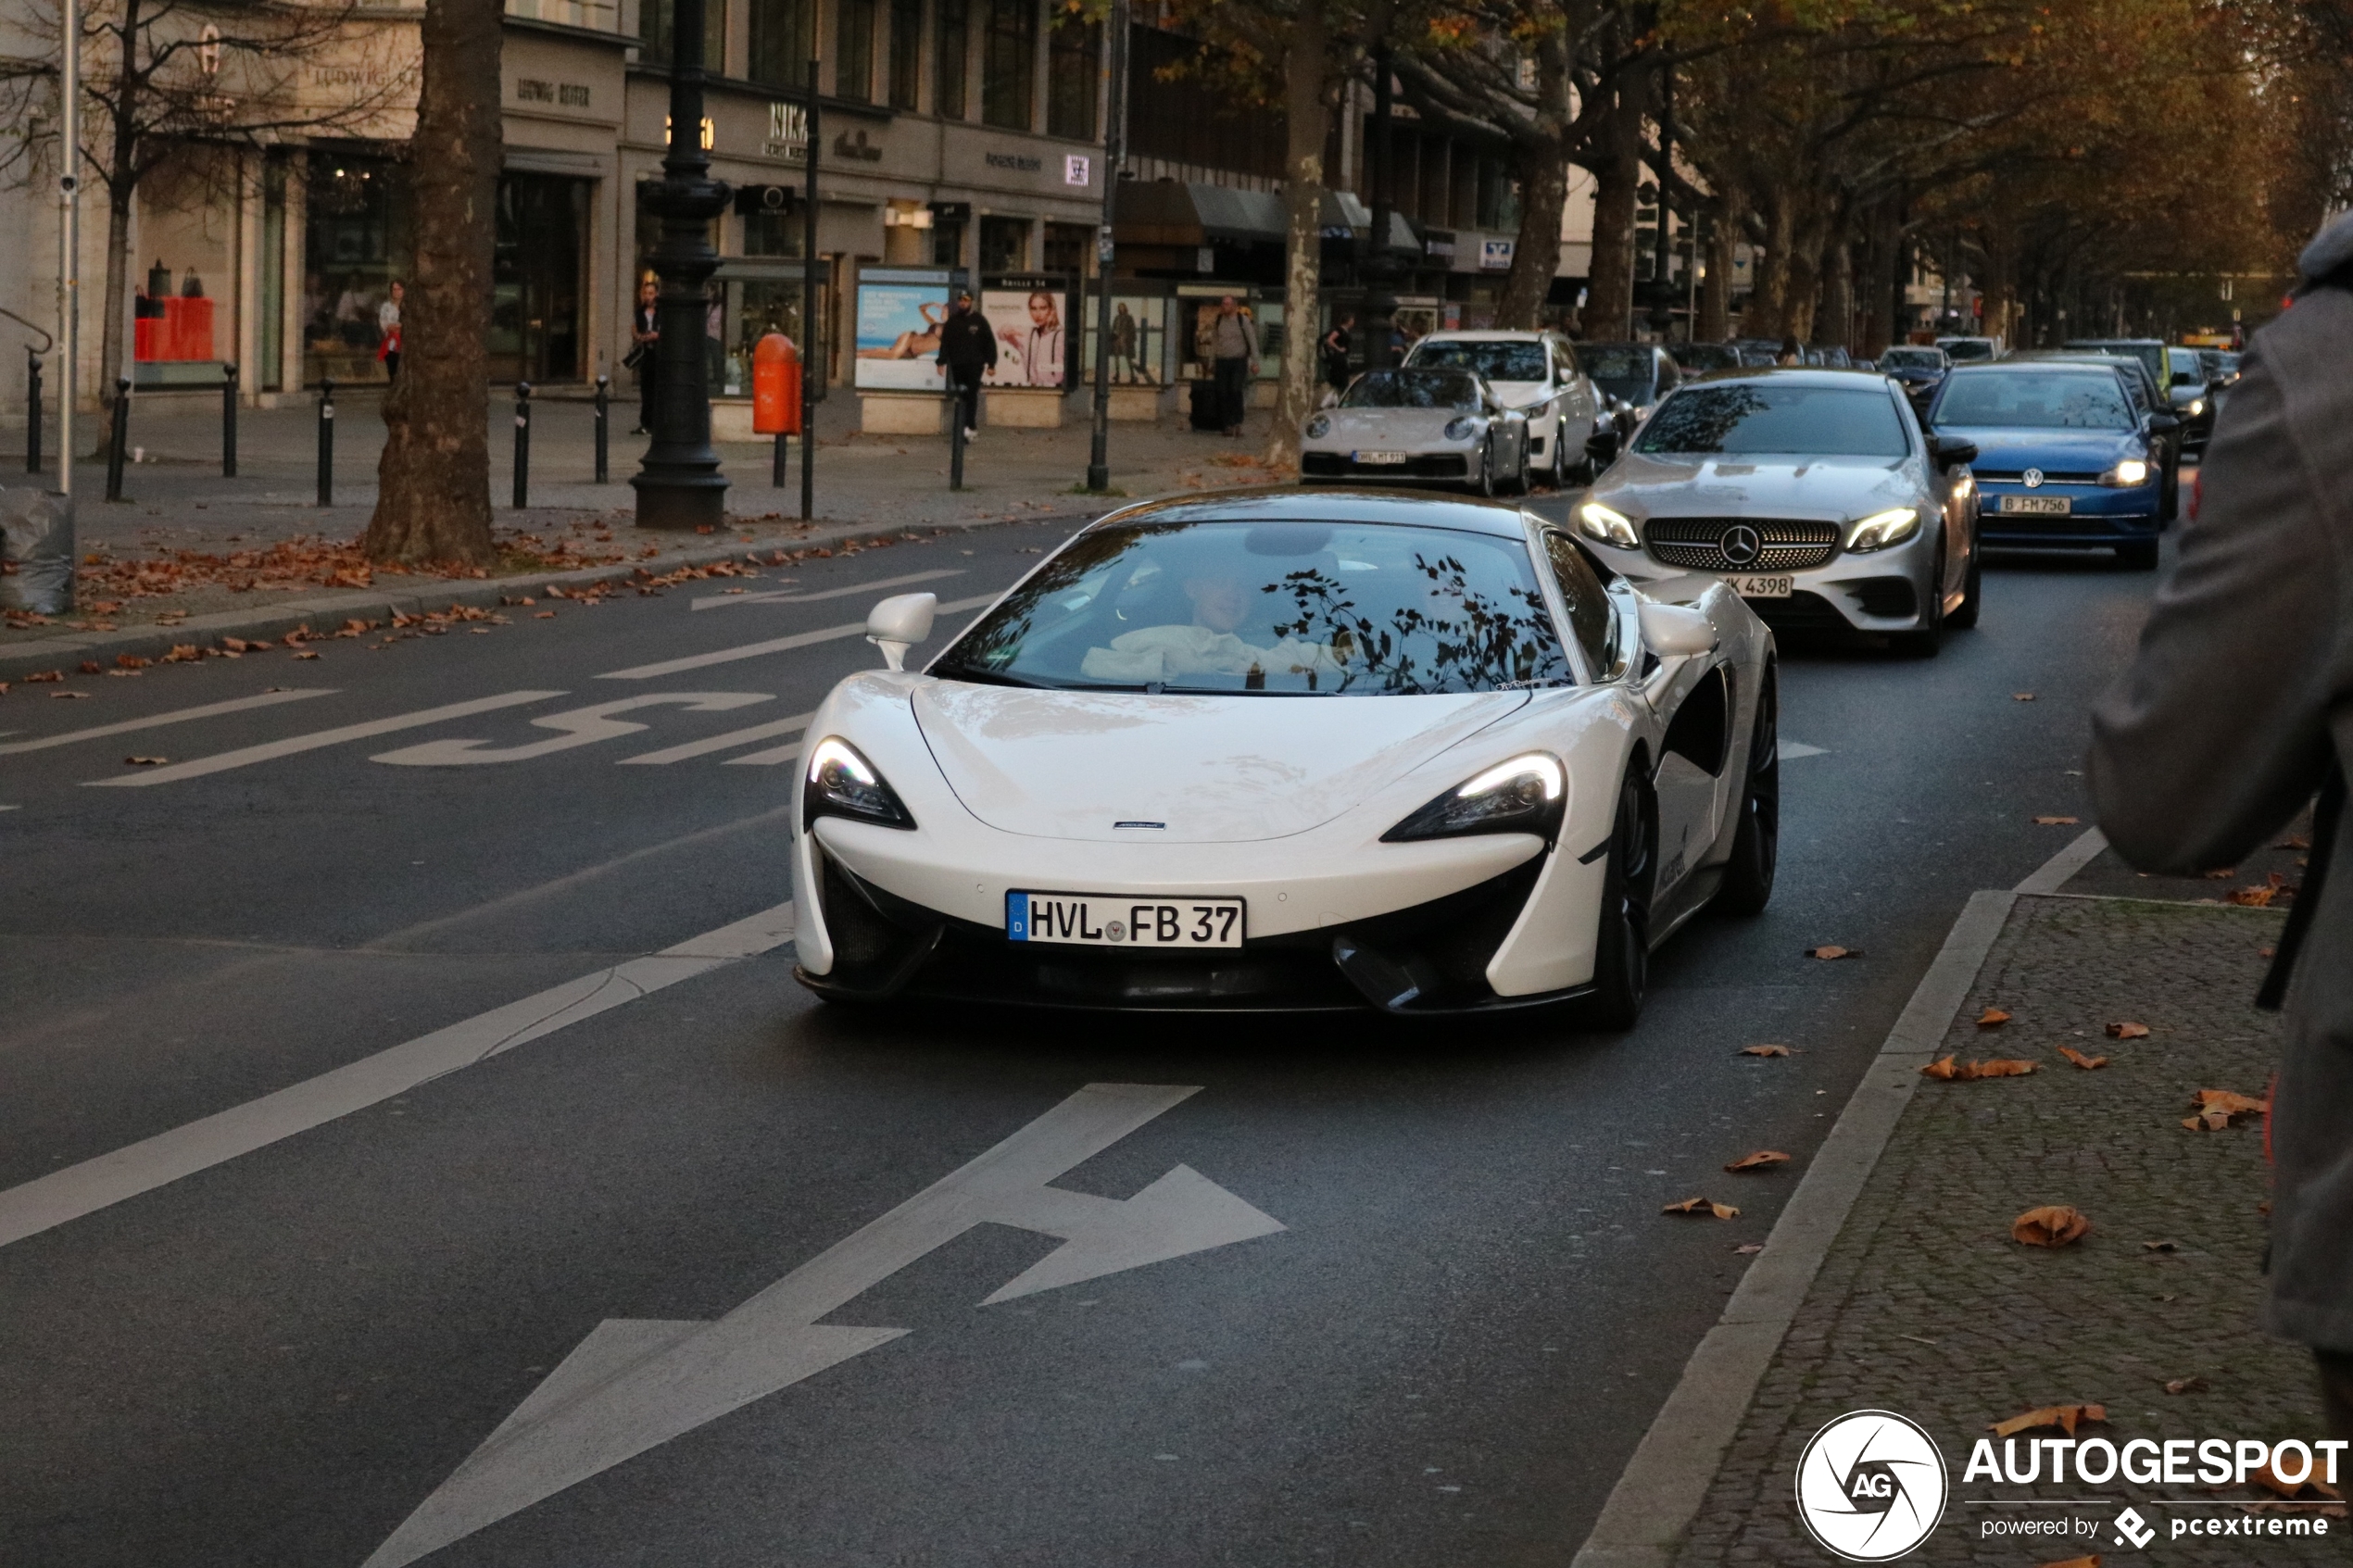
{"x": 2237, "y": 708}
{"x": 967, "y": 351}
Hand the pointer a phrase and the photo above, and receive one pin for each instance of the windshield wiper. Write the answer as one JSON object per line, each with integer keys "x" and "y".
{"x": 1001, "y": 678}
{"x": 1158, "y": 688}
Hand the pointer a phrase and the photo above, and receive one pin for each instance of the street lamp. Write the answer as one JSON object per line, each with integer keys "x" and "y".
{"x": 679, "y": 485}
{"x": 1662, "y": 318}
{"x": 1378, "y": 269}
{"x": 1115, "y": 153}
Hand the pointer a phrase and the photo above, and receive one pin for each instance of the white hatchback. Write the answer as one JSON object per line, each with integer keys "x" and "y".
{"x": 1536, "y": 373}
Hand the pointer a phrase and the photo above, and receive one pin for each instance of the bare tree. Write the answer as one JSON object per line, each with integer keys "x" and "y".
{"x": 433, "y": 484}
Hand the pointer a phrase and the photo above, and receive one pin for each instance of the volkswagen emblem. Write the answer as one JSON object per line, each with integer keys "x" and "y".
{"x": 1741, "y": 545}
{"x": 2033, "y": 478}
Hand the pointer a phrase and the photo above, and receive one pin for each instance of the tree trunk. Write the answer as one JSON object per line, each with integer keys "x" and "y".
{"x": 1715, "y": 323}
{"x": 122, "y": 182}
{"x": 1609, "y": 290}
{"x": 1307, "y": 110}
{"x": 433, "y": 485}
{"x": 1836, "y": 327}
{"x": 1798, "y": 307}
{"x": 1768, "y": 300}
{"x": 1542, "y": 164}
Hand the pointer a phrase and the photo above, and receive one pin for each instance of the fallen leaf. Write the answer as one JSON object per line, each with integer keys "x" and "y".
{"x": 2294, "y": 841}
{"x": 1998, "y": 1067}
{"x": 2086, "y": 1062}
{"x": 66, "y": 696}
{"x": 91, "y": 667}
{"x": 2185, "y": 1385}
{"x": 1763, "y": 1160}
{"x": 40, "y": 675}
{"x": 2217, "y": 1109}
{"x": 305, "y": 654}
{"x": 1941, "y": 1068}
{"x": 1828, "y": 952}
{"x": 2266, "y": 1476}
{"x": 2223, "y": 875}
{"x": 2064, "y": 1417}
{"x": 2021, "y": 696}
{"x": 1992, "y": 1018}
{"x": 1702, "y": 1206}
{"x": 132, "y": 662}
{"x": 2251, "y": 897}
{"x": 2091, "y": 1562}
{"x": 2055, "y": 821}
{"x": 146, "y": 761}
{"x": 542, "y": 615}
{"x": 1764, "y": 1050}
{"x": 2128, "y": 1031}
{"x": 1749, "y": 1248}
{"x": 2052, "y": 1225}
{"x": 2160, "y": 1246}
{"x": 2266, "y": 952}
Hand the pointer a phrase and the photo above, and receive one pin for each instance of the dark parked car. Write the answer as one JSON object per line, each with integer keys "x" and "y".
{"x": 2064, "y": 453}
{"x": 1919, "y": 369}
{"x": 1632, "y": 376}
{"x": 2192, "y": 394}
{"x": 1697, "y": 358}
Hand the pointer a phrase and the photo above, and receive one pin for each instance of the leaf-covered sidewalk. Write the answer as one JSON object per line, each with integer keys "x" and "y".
{"x": 1945, "y": 1300}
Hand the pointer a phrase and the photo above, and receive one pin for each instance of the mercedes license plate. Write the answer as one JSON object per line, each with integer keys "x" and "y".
{"x": 1105, "y": 919}
{"x": 1760, "y": 587}
{"x": 1380, "y": 457}
{"x": 2049, "y": 506}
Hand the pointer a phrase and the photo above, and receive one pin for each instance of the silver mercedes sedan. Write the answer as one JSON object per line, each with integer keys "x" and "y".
{"x": 1814, "y": 493}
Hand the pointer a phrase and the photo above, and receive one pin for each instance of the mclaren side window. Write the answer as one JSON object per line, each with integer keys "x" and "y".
{"x": 1591, "y": 618}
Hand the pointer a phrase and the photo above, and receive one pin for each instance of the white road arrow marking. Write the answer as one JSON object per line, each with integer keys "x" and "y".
{"x": 579, "y": 726}
{"x": 793, "y": 596}
{"x": 1790, "y": 750}
{"x": 154, "y": 720}
{"x": 632, "y": 1385}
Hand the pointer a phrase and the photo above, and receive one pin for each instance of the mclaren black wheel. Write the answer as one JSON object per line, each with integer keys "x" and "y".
{"x": 1622, "y": 946}
{"x": 1748, "y": 886}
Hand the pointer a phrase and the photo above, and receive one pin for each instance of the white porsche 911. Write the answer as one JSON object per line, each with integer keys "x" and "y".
{"x": 1292, "y": 751}
{"x": 1419, "y": 424}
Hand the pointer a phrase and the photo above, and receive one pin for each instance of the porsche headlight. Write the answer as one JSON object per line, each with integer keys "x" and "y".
{"x": 1462, "y": 427}
{"x": 1318, "y": 428}
{"x": 1525, "y": 795}
{"x": 2126, "y": 473}
{"x": 1880, "y": 530}
{"x": 840, "y": 783}
{"x": 1597, "y": 521}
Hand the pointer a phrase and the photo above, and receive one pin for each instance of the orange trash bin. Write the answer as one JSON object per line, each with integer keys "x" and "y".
{"x": 775, "y": 387}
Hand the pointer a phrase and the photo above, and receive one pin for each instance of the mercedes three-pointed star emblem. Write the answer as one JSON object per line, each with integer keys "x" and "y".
{"x": 1741, "y": 545}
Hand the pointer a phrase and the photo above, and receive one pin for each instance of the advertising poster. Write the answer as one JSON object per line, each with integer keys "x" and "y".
{"x": 898, "y": 318}
{"x": 1138, "y": 341}
{"x": 1028, "y": 324}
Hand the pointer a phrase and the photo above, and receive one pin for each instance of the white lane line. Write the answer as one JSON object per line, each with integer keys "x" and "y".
{"x": 581, "y": 726}
{"x": 2055, "y": 873}
{"x": 124, "y": 727}
{"x": 62, "y": 1195}
{"x": 776, "y": 757}
{"x": 781, "y": 597}
{"x": 1789, "y": 750}
{"x": 294, "y": 745}
{"x": 773, "y": 645}
{"x": 727, "y": 742}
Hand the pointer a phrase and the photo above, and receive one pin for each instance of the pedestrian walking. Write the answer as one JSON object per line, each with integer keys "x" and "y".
{"x": 1789, "y": 353}
{"x": 388, "y": 330}
{"x": 1232, "y": 338}
{"x": 1336, "y": 345}
{"x": 645, "y": 336}
{"x": 967, "y": 351}
{"x": 2237, "y": 708}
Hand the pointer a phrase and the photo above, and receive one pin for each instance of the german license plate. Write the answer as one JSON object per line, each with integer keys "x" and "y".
{"x": 1380, "y": 457}
{"x": 1760, "y": 587}
{"x": 1104, "y": 920}
{"x": 2046, "y": 505}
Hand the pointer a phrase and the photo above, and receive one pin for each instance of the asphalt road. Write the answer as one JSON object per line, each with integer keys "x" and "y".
{"x": 1445, "y": 1355}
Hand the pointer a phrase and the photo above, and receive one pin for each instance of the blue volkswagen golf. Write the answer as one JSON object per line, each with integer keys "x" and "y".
{"x": 2063, "y": 457}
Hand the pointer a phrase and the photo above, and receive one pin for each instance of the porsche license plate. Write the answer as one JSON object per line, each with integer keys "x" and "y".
{"x": 1760, "y": 587}
{"x": 1104, "y": 920}
{"x": 1380, "y": 457}
{"x": 2047, "y": 505}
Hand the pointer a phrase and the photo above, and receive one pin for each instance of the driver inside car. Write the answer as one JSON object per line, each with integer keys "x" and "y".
{"x": 1210, "y": 643}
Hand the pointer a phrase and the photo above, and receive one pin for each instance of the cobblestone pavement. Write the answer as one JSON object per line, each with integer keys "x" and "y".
{"x": 1926, "y": 1307}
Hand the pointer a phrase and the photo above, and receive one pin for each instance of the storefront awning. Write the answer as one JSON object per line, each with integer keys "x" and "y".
{"x": 1171, "y": 212}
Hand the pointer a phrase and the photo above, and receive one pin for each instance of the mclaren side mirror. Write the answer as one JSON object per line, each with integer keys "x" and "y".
{"x": 1677, "y": 631}
{"x": 1950, "y": 451}
{"x": 899, "y": 623}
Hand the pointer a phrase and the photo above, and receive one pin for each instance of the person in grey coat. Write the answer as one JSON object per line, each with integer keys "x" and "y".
{"x": 2239, "y": 707}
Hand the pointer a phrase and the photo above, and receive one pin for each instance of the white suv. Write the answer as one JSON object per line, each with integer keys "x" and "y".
{"x": 1538, "y": 374}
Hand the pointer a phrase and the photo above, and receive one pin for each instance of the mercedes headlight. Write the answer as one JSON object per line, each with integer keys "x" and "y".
{"x": 1880, "y": 530}
{"x": 1318, "y": 428}
{"x": 1597, "y": 521}
{"x": 2126, "y": 473}
{"x": 1525, "y": 795}
{"x": 840, "y": 783}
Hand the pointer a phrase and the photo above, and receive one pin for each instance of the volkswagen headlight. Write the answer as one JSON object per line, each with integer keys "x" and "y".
{"x": 1525, "y": 795}
{"x": 2126, "y": 473}
{"x": 840, "y": 783}
{"x": 2198, "y": 407}
{"x": 1318, "y": 428}
{"x": 1880, "y": 530}
{"x": 1462, "y": 427}
{"x": 1597, "y": 521}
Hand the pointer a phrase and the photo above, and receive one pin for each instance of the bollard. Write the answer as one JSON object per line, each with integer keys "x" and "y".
{"x": 776, "y": 460}
{"x": 955, "y": 439}
{"x": 31, "y": 412}
{"x": 119, "y": 444}
{"x": 228, "y": 422}
{"x": 604, "y": 426}
{"x": 522, "y": 444}
{"x": 327, "y": 441}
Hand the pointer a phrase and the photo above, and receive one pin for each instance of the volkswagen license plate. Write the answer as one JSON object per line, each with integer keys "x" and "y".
{"x": 1760, "y": 587}
{"x": 2049, "y": 506}
{"x": 1380, "y": 457}
{"x": 1104, "y": 920}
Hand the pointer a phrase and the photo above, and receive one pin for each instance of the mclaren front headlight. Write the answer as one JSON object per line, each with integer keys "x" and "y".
{"x": 838, "y": 782}
{"x": 2128, "y": 473}
{"x": 1880, "y": 530}
{"x": 1608, "y": 525}
{"x": 1527, "y": 794}
{"x": 1319, "y": 427}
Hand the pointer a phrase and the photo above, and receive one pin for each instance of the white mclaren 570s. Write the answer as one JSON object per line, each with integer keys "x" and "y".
{"x": 1292, "y": 751}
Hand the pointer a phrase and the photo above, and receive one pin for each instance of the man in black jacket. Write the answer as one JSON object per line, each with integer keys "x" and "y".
{"x": 966, "y": 349}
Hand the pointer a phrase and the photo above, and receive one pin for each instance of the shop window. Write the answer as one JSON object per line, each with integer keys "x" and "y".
{"x": 656, "y": 23}
{"x": 1009, "y": 71}
{"x": 774, "y": 233}
{"x": 359, "y": 234}
{"x": 536, "y": 324}
{"x": 749, "y": 309}
{"x": 1004, "y": 244}
{"x": 854, "y": 69}
{"x": 784, "y": 39}
{"x": 947, "y": 243}
{"x": 954, "y": 48}
{"x": 906, "y": 53}
{"x": 1066, "y": 245}
{"x": 1074, "y": 47}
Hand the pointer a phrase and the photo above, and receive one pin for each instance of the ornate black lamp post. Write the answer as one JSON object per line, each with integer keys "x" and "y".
{"x": 1380, "y": 269}
{"x": 679, "y": 485}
